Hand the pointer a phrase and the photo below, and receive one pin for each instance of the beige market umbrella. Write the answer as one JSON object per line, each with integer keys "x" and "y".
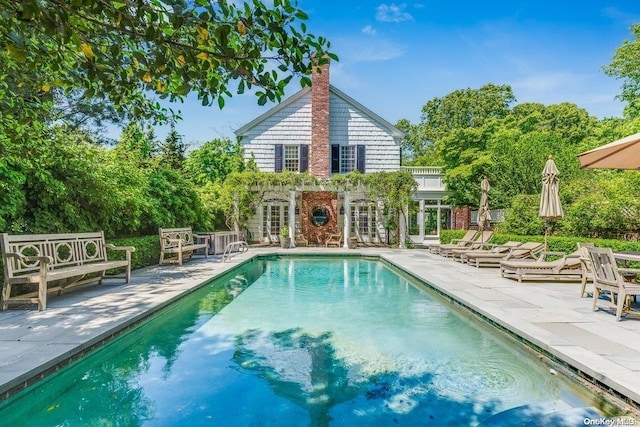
{"x": 621, "y": 154}
{"x": 550, "y": 207}
{"x": 484, "y": 217}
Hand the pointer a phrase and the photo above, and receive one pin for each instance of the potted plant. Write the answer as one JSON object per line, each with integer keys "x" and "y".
{"x": 285, "y": 239}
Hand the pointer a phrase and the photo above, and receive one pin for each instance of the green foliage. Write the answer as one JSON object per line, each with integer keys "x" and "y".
{"x": 554, "y": 243}
{"x": 125, "y": 54}
{"x": 522, "y": 217}
{"x": 213, "y": 161}
{"x": 62, "y": 182}
{"x": 137, "y": 146}
{"x": 147, "y": 250}
{"x": 172, "y": 151}
{"x": 605, "y": 204}
{"x": 13, "y": 170}
{"x": 625, "y": 66}
{"x": 246, "y": 190}
{"x": 465, "y": 108}
{"x": 173, "y": 202}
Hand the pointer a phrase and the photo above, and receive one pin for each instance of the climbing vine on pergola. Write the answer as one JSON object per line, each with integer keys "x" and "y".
{"x": 247, "y": 189}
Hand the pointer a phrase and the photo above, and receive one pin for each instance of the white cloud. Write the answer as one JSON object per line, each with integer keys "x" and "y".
{"x": 369, "y": 30}
{"x": 392, "y": 13}
{"x": 621, "y": 16}
{"x": 359, "y": 50}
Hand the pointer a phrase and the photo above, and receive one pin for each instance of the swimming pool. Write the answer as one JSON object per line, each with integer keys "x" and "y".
{"x": 304, "y": 341}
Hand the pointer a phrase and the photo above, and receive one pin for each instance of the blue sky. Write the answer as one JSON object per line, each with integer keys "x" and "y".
{"x": 396, "y": 56}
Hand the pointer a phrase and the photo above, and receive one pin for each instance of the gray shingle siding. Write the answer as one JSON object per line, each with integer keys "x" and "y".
{"x": 350, "y": 124}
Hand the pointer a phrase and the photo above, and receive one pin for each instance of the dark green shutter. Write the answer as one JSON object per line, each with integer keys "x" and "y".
{"x": 304, "y": 157}
{"x": 335, "y": 158}
{"x": 360, "y": 158}
{"x": 278, "y": 165}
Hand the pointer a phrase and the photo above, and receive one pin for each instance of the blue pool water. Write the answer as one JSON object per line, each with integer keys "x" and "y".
{"x": 296, "y": 342}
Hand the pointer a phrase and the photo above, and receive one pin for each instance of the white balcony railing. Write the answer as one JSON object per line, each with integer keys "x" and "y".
{"x": 423, "y": 170}
{"x": 429, "y": 178}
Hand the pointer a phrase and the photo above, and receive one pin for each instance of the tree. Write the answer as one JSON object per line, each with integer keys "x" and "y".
{"x": 137, "y": 146}
{"x": 172, "y": 151}
{"x": 214, "y": 161}
{"x": 465, "y": 108}
{"x": 625, "y": 66}
{"x": 127, "y": 53}
{"x": 416, "y": 149}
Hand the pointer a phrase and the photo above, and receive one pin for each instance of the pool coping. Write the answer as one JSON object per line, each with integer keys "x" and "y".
{"x": 553, "y": 318}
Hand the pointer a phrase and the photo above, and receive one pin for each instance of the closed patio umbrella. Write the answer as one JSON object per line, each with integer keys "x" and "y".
{"x": 484, "y": 217}
{"x": 621, "y": 154}
{"x": 550, "y": 207}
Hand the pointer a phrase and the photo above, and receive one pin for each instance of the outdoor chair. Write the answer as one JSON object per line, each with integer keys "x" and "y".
{"x": 608, "y": 277}
{"x": 487, "y": 249}
{"x": 334, "y": 240}
{"x": 301, "y": 240}
{"x": 479, "y": 245}
{"x": 527, "y": 250}
{"x": 587, "y": 268}
{"x": 479, "y": 240}
{"x": 468, "y": 238}
{"x": 566, "y": 267}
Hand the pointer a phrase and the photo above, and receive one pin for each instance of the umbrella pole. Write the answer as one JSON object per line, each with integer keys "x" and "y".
{"x": 545, "y": 240}
{"x": 546, "y": 234}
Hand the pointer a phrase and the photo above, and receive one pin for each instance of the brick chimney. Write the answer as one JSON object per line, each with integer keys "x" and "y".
{"x": 320, "y": 148}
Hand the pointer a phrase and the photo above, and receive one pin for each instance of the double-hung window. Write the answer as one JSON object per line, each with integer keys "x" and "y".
{"x": 347, "y": 158}
{"x": 293, "y": 157}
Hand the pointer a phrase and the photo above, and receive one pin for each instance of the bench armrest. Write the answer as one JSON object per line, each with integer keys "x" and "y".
{"x": 204, "y": 237}
{"x": 44, "y": 259}
{"x": 120, "y": 248}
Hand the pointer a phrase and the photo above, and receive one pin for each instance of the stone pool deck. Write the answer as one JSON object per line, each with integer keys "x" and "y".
{"x": 550, "y": 315}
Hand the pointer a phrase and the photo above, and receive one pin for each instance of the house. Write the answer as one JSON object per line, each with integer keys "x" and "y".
{"x": 323, "y": 131}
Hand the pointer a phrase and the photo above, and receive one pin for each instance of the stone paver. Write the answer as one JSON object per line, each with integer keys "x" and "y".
{"x": 549, "y": 314}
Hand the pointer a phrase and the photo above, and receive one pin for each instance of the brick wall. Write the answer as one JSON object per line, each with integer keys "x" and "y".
{"x": 311, "y": 199}
{"x": 461, "y": 218}
{"x": 319, "y": 150}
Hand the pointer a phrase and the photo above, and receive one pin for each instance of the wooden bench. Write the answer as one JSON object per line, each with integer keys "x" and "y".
{"x": 180, "y": 242}
{"x": 62, "y": 260}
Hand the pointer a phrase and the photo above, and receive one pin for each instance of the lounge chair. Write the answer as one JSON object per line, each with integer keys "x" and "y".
{"x": 479, "y": 240}
{"x": 567, "y": 267}
{"x": 527, "y": 250}
{"x": 487, "y": 249}
{"x": 469, "y": 236}
{"x": 334, "y": 240}
{"x": 608, "y": 277}
{"x": 481, "y": 246}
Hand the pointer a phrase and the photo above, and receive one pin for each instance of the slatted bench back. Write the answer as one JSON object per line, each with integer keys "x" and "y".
{"x": 184, "y": 234}
{"x": 72, "y": 249}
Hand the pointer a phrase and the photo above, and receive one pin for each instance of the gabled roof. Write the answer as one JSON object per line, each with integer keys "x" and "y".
{"x": 393, "y": 131}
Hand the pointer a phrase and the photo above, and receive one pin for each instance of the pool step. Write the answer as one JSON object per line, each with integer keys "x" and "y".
{"x": 557, "y": 413}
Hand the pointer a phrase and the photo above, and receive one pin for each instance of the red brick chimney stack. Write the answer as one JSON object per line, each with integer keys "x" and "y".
{"x": 320, "y": 148}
